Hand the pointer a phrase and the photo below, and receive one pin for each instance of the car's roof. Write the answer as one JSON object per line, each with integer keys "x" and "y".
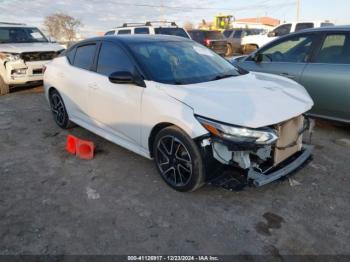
{"x": 138, "y": 38}
{"x": 328, "y": 28}
{"x": 16, "y": 25}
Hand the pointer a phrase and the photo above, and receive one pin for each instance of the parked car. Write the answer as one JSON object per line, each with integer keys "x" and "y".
{"x": 318, "y": 59}
{"x": 234, "y": 38}
{"x": 212, "y": 39}
{"x": 23, "y": 52}
{"x": 176, "y": 101}
{"x": 149, "y": 28}
{"x": 253, "y": 42}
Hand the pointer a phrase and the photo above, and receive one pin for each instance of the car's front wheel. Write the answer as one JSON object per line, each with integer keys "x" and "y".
{"x": 59, "y": 110}
{"x": 178, "y": 160}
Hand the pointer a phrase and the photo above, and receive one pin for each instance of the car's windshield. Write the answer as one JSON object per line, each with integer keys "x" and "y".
{"x": 171, "y": 31}
{"x": 179, "y": 63}
{"x": 21, "y": 35}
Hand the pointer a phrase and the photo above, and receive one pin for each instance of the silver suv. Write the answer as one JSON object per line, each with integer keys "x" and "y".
{"x": 24, "y": 50}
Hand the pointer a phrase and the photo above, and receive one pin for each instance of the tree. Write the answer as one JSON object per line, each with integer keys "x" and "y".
{"x": 188, "y": 25}
{"x": 62, "y": 27}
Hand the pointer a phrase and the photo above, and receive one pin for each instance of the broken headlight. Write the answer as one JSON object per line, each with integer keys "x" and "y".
{"x": 10, "y": 56}
{"x": 239, "y": 134}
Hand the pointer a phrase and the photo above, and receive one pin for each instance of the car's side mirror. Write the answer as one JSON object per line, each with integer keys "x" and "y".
{"x": 125, "y": 77}
{"x": 257, "y": 57}
{"x": 271, "y": 34}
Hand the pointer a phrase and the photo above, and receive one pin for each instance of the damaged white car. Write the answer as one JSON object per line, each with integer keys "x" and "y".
{"x": 24, "y": 50}
{"x": 179, "y": 103}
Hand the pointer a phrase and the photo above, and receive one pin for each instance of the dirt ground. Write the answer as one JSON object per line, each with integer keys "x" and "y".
{"x": 54, "y": 203}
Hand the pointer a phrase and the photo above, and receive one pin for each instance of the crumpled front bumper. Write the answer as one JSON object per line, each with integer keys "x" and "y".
{"x": 33, "y": 72}
{"x": 283, "y": 169}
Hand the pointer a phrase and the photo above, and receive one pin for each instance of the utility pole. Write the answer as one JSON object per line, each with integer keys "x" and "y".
{"x": 161, "y": 11}
{"x": 298, "y": 10}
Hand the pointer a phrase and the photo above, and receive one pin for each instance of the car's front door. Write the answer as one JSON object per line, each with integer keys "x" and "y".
{"x": 286, "y": 57}
{"x": 327, "y": 76}
{"x": 116, "y": 107}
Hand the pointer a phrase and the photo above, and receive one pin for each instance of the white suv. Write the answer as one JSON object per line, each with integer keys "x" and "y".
{"x": 23, "y": 52}
{"x": 149, "y": 28}
{"x": 257, "y": 41}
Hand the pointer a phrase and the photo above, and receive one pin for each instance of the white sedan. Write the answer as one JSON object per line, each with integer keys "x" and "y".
{"x": 175, "y": 101}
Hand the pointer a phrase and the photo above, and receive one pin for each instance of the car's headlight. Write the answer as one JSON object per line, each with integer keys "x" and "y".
{"x": 10, "y": 56}
{"x": 239, "y": 134}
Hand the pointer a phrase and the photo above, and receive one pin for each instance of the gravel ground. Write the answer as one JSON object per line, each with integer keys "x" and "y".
{"x": 54, "y": 203}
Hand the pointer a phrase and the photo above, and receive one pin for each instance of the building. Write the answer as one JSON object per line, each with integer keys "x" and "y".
{"x": 266, "y": 23}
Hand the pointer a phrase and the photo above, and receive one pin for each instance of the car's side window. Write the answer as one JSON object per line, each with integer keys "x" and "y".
{"x": 113, "y": 59}
{"x": 141, "y": 30}
{"x": 283, "y": 30}
{"x": 335, "y": 50}
{"x": 110, "y": 32}
{"x": 70, "y": 55}
{"x": 124, "y": 32}
{"x": 302, "y": 26}
{"x": 293, "y": 49}
{"x": 237, "y": 34}
{"x": 84, "y": 56}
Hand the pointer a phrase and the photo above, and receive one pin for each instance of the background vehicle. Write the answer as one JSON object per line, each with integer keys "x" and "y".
{"x": 173, "y": 100}
{"x": 319, "y": 59}
{"x": 23, "y": 52}
{"x": 149, "y": 28}
{"x": 214, "y": 40}
{"x": 234, "y": 38}
{"x": 251, "y": 43}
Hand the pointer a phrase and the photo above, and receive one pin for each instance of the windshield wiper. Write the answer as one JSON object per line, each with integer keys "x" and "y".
{"x": 218, "y": 77}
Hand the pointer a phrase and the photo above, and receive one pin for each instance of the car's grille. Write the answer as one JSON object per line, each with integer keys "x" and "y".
{"x": 38, "y": 56}
{"x": 37, "y": 71}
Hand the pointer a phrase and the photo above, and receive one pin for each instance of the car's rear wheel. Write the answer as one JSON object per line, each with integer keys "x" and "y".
{"x": 58, "y": 110}
{"x": 178, "y": 160}
{"x": 4, "y": 88}
{"x": 229, "y": 51}
{"x": 250, "y": 48}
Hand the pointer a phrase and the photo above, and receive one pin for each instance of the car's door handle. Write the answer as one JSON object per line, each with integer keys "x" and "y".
{"x": 93, "y": 86}
{"x": 288, "y": 75}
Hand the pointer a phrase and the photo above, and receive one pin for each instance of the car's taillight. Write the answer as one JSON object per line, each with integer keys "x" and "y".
{"x": 44, "y": 69}
{"x": 207, "y": 42}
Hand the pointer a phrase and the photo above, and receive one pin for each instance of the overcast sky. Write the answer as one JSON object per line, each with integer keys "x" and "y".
{"x": 101, "y": 15}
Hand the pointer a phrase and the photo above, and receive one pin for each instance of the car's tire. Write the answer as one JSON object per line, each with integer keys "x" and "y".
{"x": 178, "y": 160}
{"x": 248, "y": 49}
{"x": 229, "y": 51}
{"x": 59, "y": 110}
{"x": 4, "y": 88}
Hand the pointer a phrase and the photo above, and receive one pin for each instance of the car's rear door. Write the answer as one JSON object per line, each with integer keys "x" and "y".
{"x": 286, "y": 57}
{"x": 327, "y": 76}
{"x": 116, "y": 107}
{"x": 77, "y": 78}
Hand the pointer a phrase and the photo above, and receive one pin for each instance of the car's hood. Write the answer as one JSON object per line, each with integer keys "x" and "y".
{"x": 30, "y": 47}
{"x": 253, "y": 100}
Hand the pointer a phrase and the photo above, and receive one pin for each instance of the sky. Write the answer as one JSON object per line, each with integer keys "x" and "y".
{"x": 101, "y": 15}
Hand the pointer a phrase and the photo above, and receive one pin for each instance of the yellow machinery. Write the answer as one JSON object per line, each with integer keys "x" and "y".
{"x": 222, "y": 22}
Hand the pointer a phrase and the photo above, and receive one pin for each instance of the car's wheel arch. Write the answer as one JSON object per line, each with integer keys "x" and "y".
{"x": 155, "y": 130}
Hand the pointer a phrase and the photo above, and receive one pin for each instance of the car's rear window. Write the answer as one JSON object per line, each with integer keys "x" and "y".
{"x": 227, "y": 33}
{"x": 171, "y": 31}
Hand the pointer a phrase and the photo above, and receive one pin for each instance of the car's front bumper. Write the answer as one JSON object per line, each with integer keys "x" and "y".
{"x": 33, "y": 72}
{"x": 283, "y": 169}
